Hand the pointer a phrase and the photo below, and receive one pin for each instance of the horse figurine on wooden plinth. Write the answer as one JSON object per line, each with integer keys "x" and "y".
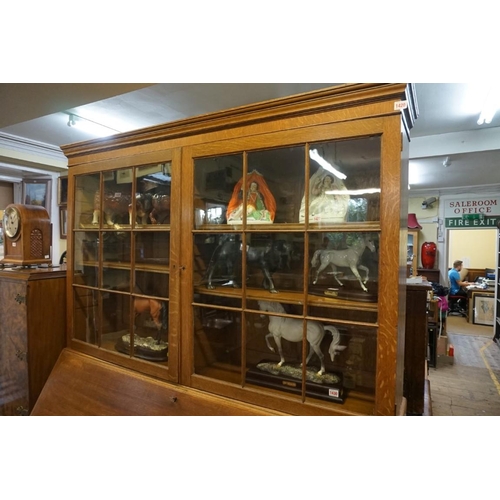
{"x": 157, "y": 310}
{"x": 348, "y": 257}
{"x": 267, "y": 258}
{"x": 291, "y": 329}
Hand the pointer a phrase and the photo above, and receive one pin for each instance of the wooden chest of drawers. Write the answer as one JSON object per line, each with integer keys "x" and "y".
{"x": 32, "y": 333}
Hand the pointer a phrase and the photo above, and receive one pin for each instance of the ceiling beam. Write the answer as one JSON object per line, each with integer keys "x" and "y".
{"x": 470, "y": 141}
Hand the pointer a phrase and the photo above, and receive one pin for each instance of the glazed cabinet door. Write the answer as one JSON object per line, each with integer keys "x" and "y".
{"x": 14, "y": 388}
{"x": 283, "y": 249}
{"x": 123, "y": 243}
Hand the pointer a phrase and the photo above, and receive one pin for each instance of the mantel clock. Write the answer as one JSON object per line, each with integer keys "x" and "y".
{"x": 27, "y": 235}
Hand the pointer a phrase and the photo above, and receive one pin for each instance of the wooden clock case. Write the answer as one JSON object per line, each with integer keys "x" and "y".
{"x": 32, "y": 243}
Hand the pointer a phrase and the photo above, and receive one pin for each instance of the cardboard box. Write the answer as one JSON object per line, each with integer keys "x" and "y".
{"x": 444, "y": 360}
{"x": 442, "y": 345}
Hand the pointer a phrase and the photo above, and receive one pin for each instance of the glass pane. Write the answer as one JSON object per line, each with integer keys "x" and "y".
{"x": 262, "y": 350}
{"x": 217, "y": 262}
{"x": 153, "y": 194}
{"x": 86, "y": 189}
{"x": 85, "y": 315}
{"x": 116, "y": 260}
{"x": 275, "y": 181}
{"x": 155, "y": 284}
{"x": 345, "y": 181}
{"x": 217, "y": 344}
{"x": 344, "y": 266}
{"x": 214, "y": 182}
{"x": 275, "y": 261}
{"x": 150, "y": 332}
{"x": 332, "y": 307}
{"x": 152, "y": 250}
{"x": 355, "y": 357}
{"x": 86, "y": 258}
{"x": 216, "y": 300}
{"x": 115, "y": 320}
{"x": 116, "y": 201}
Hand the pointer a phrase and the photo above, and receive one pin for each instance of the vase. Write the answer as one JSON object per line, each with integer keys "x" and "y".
{"x": 428, "y": 255}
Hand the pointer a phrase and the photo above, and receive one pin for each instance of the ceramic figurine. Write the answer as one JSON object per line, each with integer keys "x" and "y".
{"x": 325, "y": 206}
{"x": 260, "y": 203}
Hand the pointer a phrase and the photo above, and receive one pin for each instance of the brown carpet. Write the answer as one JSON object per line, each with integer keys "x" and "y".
{"x": 459, "y": 325}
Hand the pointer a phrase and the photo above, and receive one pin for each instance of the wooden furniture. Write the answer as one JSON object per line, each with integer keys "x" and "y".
{"x": 32, "y": 333}
{"x": 416, "y": 342}
{"x": 430, "y": 274}
{"x": 412, "y": 250}
{"x": 28, "y": 235}
{"x": 496, "y": 336}
{"x": 147, "y": 218}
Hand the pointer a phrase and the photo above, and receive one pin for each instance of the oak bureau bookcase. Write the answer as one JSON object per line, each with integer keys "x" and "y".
{"x": 253, "y": 258}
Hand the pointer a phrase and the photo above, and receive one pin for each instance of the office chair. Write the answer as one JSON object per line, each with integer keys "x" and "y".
{"x": 456, "y": 305}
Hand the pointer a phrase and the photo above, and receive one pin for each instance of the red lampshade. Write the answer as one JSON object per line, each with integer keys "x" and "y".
{"x": 413, "y": 222}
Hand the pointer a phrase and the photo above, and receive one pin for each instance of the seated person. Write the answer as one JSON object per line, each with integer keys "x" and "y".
{"x": 456, "y": 283}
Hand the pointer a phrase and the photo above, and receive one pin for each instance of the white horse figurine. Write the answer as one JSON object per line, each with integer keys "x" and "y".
{"x": 344, "y": 258}
{"x": 291, "y": 329}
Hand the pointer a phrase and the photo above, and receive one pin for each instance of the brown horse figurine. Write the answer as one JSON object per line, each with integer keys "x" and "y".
{"x": 119, "y": 205}
{"x": 156, "y": 309}
{"x": 160, "y": 208}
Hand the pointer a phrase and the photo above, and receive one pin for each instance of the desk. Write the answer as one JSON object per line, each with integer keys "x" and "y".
{"x": 472, "y": 290}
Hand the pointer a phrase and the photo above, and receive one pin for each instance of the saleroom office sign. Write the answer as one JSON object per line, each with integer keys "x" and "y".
{"x": 472, "y": 212}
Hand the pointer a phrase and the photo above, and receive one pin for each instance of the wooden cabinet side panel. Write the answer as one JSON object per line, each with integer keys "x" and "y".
{"x": 14, "y": 397}
{"x": 82, "y": 385}
{"x": 415, "y": 348}
{"x": 46, "y": 330}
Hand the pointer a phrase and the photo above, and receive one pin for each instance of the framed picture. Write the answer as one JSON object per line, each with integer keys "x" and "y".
{"x": 63, "y": 222}
{"x": 62, "y": 191}
{"x": 37, "y": 192}
{"x": 483, "y": 305}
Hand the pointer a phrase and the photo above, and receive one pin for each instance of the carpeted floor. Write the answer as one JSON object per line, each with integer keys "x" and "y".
{"x": 471, "y": 385}
{"x": 458, "y": 324}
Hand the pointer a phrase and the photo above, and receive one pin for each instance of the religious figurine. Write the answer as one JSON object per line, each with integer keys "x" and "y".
{"x": 325, "y": 203}
{"x": 260, "y": 203}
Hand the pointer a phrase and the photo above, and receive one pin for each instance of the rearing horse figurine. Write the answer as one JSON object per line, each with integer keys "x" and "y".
{"x": 344, "y": 258}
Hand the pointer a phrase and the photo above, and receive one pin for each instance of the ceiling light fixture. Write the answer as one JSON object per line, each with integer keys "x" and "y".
{"x": 354, "y": 192}
{"x": 90, "y": 126}
{"x": 314, "y": 155}
{"x": 446, "y": 162}
{"x": 491, "y": 105}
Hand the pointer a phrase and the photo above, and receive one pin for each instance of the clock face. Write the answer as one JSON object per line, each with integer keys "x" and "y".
{"x": 11, "y": 222}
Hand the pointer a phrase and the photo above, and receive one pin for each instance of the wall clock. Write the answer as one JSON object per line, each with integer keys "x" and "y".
{"x": 27, "y": 235}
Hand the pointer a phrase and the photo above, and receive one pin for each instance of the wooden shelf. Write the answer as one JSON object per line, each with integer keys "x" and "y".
{"x": 288, "y": 298}
{"x": 154, "y": 268}
{"x": 289, "y": 227}
{"x": 123, "y": 227}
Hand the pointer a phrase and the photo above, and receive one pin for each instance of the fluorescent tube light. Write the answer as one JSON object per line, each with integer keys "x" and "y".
{"x": 89, "y": 126}
{"x": 491, "y": 105}
{"x": 314, "y": 155}
{"x": 354, "y": 192}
